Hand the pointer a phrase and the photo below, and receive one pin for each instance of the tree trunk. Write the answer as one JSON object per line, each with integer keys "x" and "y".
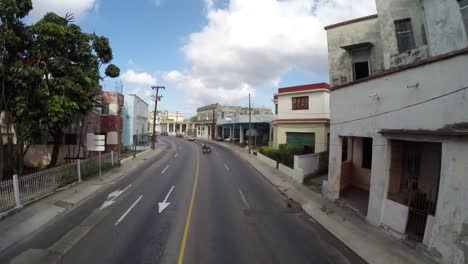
{"x": 57, "y": 134}
{"x": 2, "y": 158}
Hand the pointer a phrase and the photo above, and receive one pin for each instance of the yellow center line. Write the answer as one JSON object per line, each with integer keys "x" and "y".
{"x": 189, "y": 215}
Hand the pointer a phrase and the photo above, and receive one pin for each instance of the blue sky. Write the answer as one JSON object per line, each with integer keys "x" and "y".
{"x": 207, "y": 51}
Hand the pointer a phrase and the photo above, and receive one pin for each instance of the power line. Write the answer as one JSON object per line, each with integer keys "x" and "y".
{"x": 401, "y": 108}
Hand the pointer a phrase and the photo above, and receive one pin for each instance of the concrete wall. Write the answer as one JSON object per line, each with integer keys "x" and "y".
{"x": 395, "y": 216}
{"x": 266, "y": 160}
{"x": 341, "y": 68}
{"x": 389, "y": 12}
{"x": 445, "y": 28}
{"x": 319, "y": 105}
{"x": 39, "y": 156}
{"x": 286, "y": 170}
{"x": 321, "y": 133}
{"x": 395, "y": 102}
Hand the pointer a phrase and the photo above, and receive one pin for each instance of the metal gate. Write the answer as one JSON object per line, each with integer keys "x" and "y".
{"x": 421, "y": 185}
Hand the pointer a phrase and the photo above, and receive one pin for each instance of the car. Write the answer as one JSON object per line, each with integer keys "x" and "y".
{"x": 227, "y": 139}
{"x": 190, "y": 138}
{"x": 219, "y": 138}
{"x": 179, "y": 135}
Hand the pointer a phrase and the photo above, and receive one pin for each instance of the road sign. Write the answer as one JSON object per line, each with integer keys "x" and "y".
{"x": 96, "y": 142}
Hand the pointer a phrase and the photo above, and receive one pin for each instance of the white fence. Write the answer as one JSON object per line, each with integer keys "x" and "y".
{"x": 24, "y": 189}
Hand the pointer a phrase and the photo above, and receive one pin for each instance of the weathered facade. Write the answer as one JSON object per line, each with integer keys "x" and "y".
{"x": 303, "y": 115}
{"x": 398, "y": 132}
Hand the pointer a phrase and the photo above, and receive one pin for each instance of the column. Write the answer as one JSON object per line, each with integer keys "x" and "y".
{"x": 331, "y": 188}
{"x": 222, "y": 132}
{"x": 241, "y": 134}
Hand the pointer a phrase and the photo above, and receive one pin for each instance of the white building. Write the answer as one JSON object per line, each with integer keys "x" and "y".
{"x": 303, "y": 116}
{"x": 135, "y": 122}
{"x": 399, "y": 121}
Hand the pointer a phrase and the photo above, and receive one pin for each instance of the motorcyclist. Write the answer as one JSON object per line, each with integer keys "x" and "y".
{"x": 204, "y": 146}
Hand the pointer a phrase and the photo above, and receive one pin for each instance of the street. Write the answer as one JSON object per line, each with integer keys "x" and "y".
{"x": 184, "y": 206}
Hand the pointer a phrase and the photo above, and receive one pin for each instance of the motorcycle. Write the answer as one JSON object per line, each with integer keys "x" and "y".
{"x": 206, "y": 150}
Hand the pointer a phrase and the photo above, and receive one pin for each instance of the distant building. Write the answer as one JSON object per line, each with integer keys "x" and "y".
{"x": 135, "y": 122}
{"x": 207, "y": 116}
{"x": 399, "y": 121}
{"x": 303, "y": 116}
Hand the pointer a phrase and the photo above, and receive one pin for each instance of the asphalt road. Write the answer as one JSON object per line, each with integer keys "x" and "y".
{"x": 220, "y": 210}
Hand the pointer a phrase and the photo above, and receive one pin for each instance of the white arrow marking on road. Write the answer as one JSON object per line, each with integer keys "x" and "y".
{"x": 225, "y": 166}
{"x": 243, "y": 199}
{"x": 128, "y": 211}
{"x": 177, "y": 154}
{"x": 164, "y": 204}
{"x": 112, "y": 196}
{"x": 165, "y": 169}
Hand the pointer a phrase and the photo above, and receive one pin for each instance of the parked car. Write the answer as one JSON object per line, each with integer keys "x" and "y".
{"x": 219, "y": 138}
{"x": 236, "y": 139}
{"x": 179, "y": 135}
{"x": 227, "y": 139}
{"x": 191, "y": 138}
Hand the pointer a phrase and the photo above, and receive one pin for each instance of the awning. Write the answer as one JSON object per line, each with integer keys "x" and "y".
{"x": 358, "y": 46}
{"x": 423, "y": 132}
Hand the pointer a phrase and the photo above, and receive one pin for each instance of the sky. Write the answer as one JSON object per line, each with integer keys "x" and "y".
{"x": 211, "y": 51}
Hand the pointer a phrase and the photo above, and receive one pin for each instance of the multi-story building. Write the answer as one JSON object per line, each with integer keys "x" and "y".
{"x": 207, "y": 117}
{"x": 303, "y": 116}
{"x": 135, "y": 122}
{"x": 399, "y": 121}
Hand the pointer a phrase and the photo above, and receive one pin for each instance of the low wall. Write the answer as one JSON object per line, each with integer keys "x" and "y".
{"x": 266, "y": 160}
{"x": 309, "y": 165}
{"x": 286, "y": 170}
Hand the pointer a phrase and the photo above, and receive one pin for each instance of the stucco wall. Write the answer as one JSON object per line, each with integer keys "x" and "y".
{"x": 389, "y": 11}
{"x": 445, "y": 28}
{"x": 395, "y": 102}
{"x": 320, "y": 130}
{"x": 341, "y": 70}
{"x": 318, "y": 105}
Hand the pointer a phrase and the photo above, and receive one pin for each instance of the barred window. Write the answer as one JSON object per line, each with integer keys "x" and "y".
{"x": 404, "y": 35}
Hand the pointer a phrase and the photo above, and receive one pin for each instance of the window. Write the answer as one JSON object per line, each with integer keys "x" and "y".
{"x": 464, "y": 11}
{"x": 344, "y": 150}
{"x": 300, "y": 103}
{"x": 361, "y": 70}
{"x": 367, "y": 153}
{"x": 276, "y": 109}
{"x": 105, "y": 109}
{"x": 404, "y": 35}
{"x": 360, "y": 59}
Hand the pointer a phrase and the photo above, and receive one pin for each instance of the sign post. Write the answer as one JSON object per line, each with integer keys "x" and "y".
{"x": 96, "y": 143}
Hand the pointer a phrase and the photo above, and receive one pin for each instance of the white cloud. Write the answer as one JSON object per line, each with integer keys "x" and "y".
{"x": 76, "y": 7}
{"x": 157, "y": 3}
{"x": 141, "y": 79}
{"x": 250, "y": 44}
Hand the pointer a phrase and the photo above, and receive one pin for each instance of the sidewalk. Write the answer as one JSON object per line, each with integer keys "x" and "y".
{"x": 370, "y": 243}
{"x": 23, "y": 222}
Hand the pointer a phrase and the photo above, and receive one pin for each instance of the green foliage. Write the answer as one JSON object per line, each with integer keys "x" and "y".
{"x": 272, "y": 153}
{"x": 112, "y": 71}
{"x": 287, "y": 153}
{"x": 194, "y": 119}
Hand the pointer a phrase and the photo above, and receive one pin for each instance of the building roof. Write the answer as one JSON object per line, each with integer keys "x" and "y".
{"x": 302, "y": 120}
{"x": 304, "y": 88}
{"x": 245, "y": 119}
{"x": 351, "y": 21}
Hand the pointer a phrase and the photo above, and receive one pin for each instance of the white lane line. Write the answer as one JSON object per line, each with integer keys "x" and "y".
{"x": 167, "y": 167}
{"x": 243, "y": 199}
{"x": 225, "y": 166}
{"x": 177, "y": 154}
{"x": 128, "y": 211}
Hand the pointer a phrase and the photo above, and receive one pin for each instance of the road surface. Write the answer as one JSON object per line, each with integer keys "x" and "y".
{"x": 185, "y": 207}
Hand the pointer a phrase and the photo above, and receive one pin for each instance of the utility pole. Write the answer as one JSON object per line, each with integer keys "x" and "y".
{"x": 250, "y": 125}
{"x": 176, "y": 119}
{"x": 156, "y": 99}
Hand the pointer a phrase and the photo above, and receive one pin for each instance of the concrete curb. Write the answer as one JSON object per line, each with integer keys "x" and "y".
{"x": 127, "y": 159}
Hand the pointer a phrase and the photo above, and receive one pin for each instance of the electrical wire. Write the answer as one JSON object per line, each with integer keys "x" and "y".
{"x": 401, "y": 108}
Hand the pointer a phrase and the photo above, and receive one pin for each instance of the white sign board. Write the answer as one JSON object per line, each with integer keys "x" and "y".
{"x": 96, "y": 142}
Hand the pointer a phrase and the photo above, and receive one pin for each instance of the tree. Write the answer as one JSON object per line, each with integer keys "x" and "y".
{"x": 194, "y": 119}
{"x": 19, "y": 100}
{"x": 71, "y": 61}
